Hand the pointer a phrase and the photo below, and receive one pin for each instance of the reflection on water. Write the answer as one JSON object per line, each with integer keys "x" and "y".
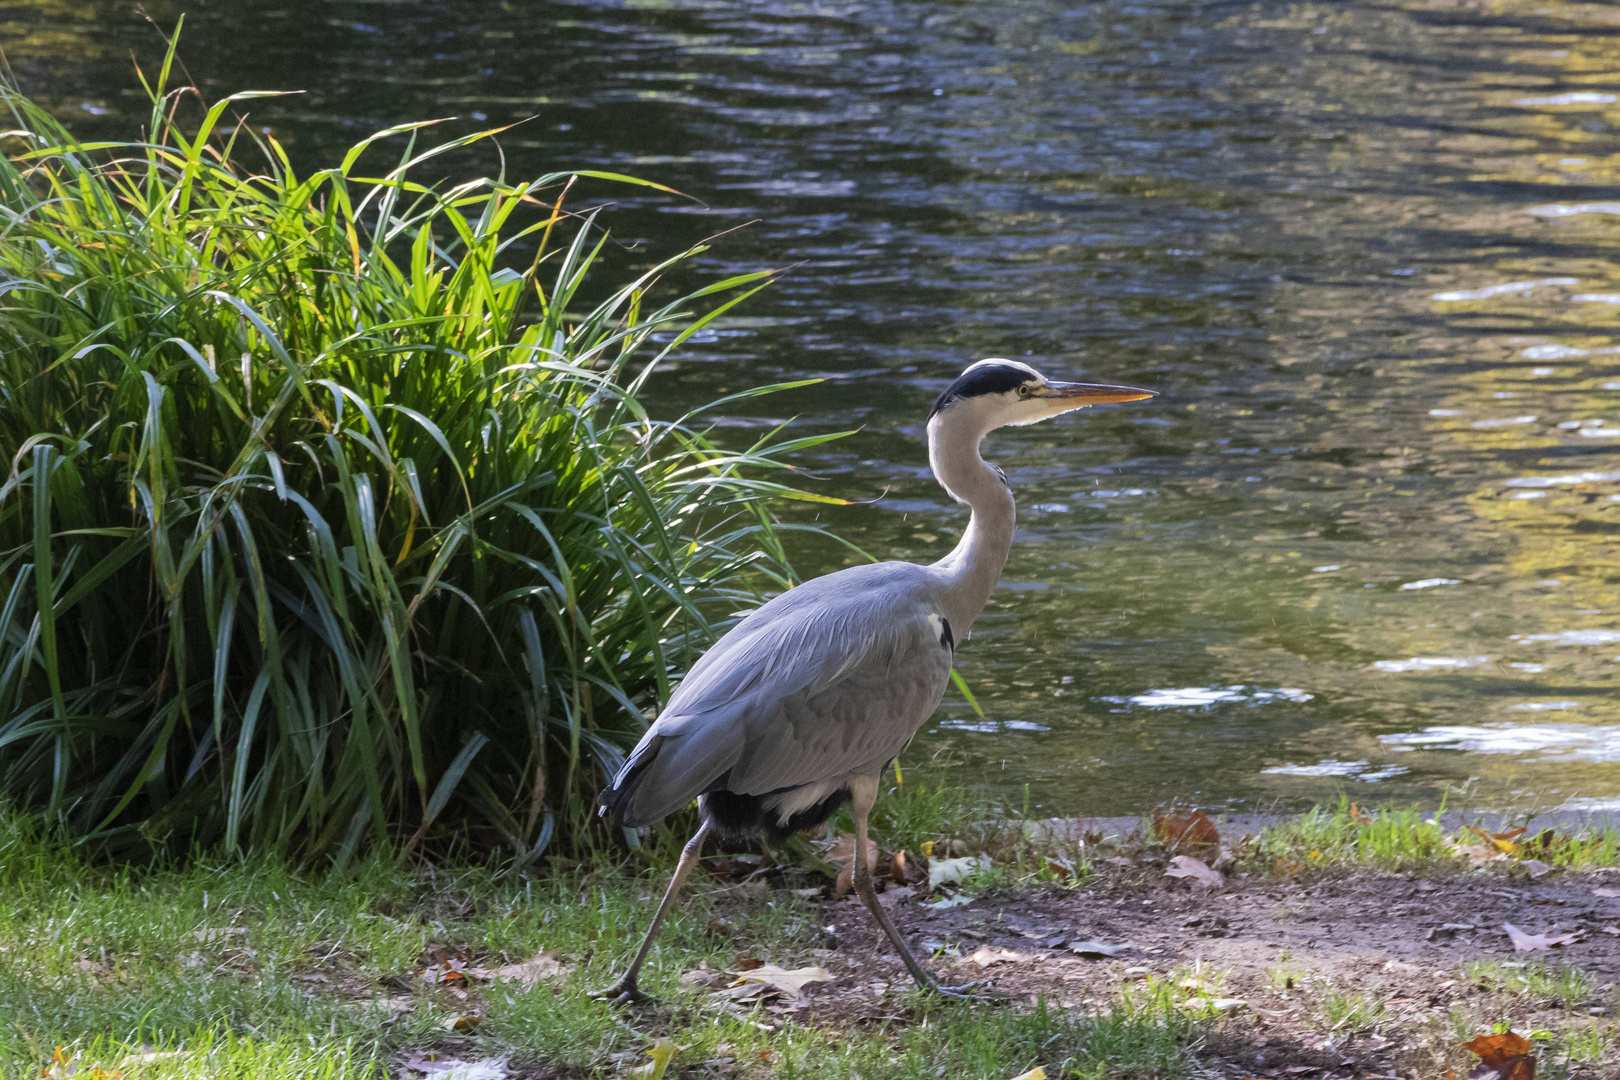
{"x": 1195, "y": 697}
{"x": 1560, "y": 742}
{"x": 1355, "y": 770}
{"x": 1366, "y": 250}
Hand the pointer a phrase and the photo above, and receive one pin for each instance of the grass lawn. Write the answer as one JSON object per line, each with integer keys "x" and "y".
{"x": 248, "y": 969}
{"x": 256, "y": 971}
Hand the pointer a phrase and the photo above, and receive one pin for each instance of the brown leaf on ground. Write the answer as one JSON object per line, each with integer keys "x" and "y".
{"x": 988, "y": 955}
{"x": 1523, "y": 942}
{"x": 1501, "y": 841}
{"x": 1477, "y": 854}
{"x": 790, "y": 983}
{"x": 1535, "y": 867}
{"x": 1186, "y": 833}
{"x": 1502, "y": 1057}
{"x": 462, "y": 1025}
{"x": 540, "y": 966}
{"x": 702, "y": 978}
{"x": 842, "y": 855}
{"x": 1359, "y": 816}
{"x": 1060, "y": 867}
{"x": 449, "y": 973}
{"x": 1185, "y": 866}
{"x": 897, "y": 868}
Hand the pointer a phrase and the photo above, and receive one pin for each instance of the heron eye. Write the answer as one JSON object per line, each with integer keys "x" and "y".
{"x": 1023, "y": 391}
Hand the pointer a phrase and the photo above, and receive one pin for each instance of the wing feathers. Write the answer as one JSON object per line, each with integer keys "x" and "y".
{"x": 830, "y": 678}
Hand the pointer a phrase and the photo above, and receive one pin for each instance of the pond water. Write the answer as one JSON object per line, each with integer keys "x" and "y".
{"x": 1364, "y": 542}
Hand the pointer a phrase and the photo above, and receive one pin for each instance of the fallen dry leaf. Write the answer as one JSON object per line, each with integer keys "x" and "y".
{"x": 842, "y": 855}
{"x": 1185, "y": 866}
{"x": 1501, "y": 841}
{"x": 1037, "y": 1073}
{"x": 1523, "y": 942}
{"x": 1359, "y": 816}
{"x": 449, "y": 973}
{"x": 1536, "y": 867}
{"x": 1502, "y": 1057}
{"x": 1220, "y": 1005}
{"x": 462, "y": 1025}
{"x": 441, "y": 1066}
{"x": 897, "y": 867}
{"x": 955, "y": 871}
{"x": 1476, "y": 854}
{"x": 662, "y": 1053}
{"x": 893, "y": 897}
{"x": 1187, "y": 831}
{"x": 1095, "y": 949}
{"x": 1060, "y": 867}
{"x": 702, "y": 978}
{"x": 526, "y": 973}
{"x": 1606, "y": 892}
{"x": 988, "y": 955}
{"x": 791, "y": 983}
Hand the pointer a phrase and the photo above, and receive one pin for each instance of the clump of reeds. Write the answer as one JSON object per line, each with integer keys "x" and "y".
{"x": 329, "y": 511}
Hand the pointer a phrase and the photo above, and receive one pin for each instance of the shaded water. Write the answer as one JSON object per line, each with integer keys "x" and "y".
{"x": 1366, "y": 539}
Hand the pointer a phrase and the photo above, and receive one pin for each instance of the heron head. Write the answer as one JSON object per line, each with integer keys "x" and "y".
{"x": 1002, "y": 393}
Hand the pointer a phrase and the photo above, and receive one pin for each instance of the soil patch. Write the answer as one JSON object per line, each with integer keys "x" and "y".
{"x": 1362, "y": 974}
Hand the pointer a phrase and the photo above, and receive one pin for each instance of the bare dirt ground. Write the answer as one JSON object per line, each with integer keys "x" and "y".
{"x": 1356, "y": 975}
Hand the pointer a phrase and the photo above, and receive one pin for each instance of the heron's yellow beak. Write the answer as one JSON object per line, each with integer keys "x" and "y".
{"x": 1062, "y": 397}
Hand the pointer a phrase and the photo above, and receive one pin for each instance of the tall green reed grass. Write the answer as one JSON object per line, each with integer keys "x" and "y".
{"x": 331, "y": 513}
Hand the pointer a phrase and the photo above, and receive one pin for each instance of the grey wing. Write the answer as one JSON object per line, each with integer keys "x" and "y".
{"x": 829, "y": 679}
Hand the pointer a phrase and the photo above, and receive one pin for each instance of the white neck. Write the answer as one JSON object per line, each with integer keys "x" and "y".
{"x": 968, "y": 575}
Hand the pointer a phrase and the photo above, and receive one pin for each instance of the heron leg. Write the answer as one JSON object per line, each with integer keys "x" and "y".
{"x": 864, "y": 795}
{"x": 624, "y": 990}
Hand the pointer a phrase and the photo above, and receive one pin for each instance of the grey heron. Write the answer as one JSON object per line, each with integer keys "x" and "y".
{"x": 799, "y": 707}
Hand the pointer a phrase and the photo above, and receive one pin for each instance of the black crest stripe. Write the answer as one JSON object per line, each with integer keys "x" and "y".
{"x": 989, "y": 379}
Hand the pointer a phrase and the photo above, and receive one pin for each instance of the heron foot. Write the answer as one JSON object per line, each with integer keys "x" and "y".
{"x": 973, "y": 991}
{"x": 622, "y": 992}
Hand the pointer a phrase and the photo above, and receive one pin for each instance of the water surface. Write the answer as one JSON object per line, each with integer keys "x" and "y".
{"x": 1365, "y": 542}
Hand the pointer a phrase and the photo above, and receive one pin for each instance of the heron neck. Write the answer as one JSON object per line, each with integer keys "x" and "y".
{"x": 968, "y": 575}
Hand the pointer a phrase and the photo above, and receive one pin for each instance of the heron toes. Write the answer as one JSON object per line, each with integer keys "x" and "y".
{"x": 973, "y": 991}
{"x": 623, "y": 992}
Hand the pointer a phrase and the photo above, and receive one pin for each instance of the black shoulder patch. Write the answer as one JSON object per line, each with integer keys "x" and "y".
{"x": 946, "y": 638}
{"x": 989, "y": 379}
